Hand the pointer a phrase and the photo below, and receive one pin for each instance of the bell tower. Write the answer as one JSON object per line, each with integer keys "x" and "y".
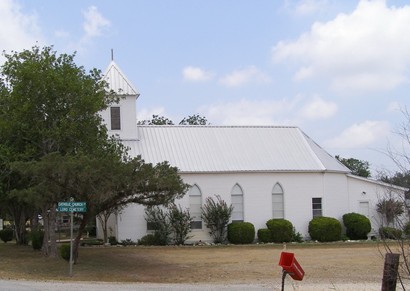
{"x": 121, "y": 117}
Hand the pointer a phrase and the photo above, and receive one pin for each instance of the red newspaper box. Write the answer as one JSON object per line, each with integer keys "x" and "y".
{"x": 289, "y": 264}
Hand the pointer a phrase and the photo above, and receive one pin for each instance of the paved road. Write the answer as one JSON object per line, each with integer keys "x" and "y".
{"x": 20, "y": 285}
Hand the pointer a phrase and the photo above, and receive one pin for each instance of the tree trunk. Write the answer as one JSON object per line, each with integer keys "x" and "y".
{"x": 49, "y": 248}
{"x": 77, "y": 240}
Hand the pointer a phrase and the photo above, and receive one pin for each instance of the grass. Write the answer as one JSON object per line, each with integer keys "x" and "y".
{"x": 360, "y": 262}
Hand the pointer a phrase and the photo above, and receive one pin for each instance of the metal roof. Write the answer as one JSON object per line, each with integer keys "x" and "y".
{"x": 232, "y": 149}
{"x": 118, "y": 82}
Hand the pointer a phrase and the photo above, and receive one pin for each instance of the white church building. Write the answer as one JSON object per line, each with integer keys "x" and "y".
{"x": 263, "y": 171}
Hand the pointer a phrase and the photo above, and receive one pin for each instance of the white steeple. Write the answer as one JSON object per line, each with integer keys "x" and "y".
{"x": 121, "y": 117}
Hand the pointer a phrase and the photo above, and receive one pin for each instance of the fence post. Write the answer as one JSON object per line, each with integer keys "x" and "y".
{"x": 391, "y": 266}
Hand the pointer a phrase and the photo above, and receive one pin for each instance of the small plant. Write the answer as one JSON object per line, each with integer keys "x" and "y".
{"x": 241, "y": 232}
{"x": 37, "y": 237}
{"x": 357, "y": 225}
{"x": 325, "y": 229}
{"x": 264, "y": 235}
{"x": 296, "y": 236}
{"x": 148, "y": 240}
{"x": 6, "y": 235}
{"x": 128, "y": 242}
{"x": 112, "y": 240}
{"x": 65, "y": 251}
{"x": 216, "y": 215}
{"x": 390, "y": 233}
{"x": 407, "y": 229}
{"x": 282, "y": 230}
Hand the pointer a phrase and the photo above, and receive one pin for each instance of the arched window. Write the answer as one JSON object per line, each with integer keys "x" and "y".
{"x": 278, "y": 208}
{"x": 195, "y": 203}
{"x": 237, "y": 203}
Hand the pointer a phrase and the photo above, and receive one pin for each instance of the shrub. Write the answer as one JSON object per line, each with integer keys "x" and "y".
{"x": 216, "y": 215}
{"x": 296, "y": 236}
{"x": 390, "y": 233}
{"x": 65, "y": 251}
{"x": 282, "y": 230}
{"x": 159, "y": 221}
{"x": 6, "y": 234}
{"x": 264, "y": 235}
{"x": 180, "y": 222}
{"x": 112, "y": 240}
{"x": 128, "y": 242}
{"x": 241, "y": 232}
{"x": 357, "y": 225}
{"x": 325, "y": 229}
{"x": 37, "y": 237}
{"x": 148, "y": 240}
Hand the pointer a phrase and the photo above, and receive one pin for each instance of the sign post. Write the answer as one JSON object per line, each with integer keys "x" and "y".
{"x": 71, "y": 207}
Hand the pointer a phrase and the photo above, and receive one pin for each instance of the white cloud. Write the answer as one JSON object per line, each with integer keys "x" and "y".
{"x": 196, "y": 74}
{"x": 18, "y": 30}
{"x": 319, "y": 109}
{"x": 364, "y": 50}
{"x": 304, "y": 7}
{"x": 244, "y": 76}
{"x": 94, "y": 22}
{"x": 251, "y": 112}
{"x": 394, "y": 107}
{"x": 360, "y": 135}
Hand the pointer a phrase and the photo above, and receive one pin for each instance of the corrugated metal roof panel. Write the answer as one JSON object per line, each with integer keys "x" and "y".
{"x": 118, "y": 82}
{"x": 232, "y": 149}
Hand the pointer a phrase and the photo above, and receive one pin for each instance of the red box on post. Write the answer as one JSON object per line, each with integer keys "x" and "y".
{"x": 289, "y": 264}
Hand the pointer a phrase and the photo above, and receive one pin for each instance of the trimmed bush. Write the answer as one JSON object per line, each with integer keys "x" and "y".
{"x": 264, "y": 235}
{"x": 325, "y": 229}
{"x": 112, "y": 240}
{"x": 6, "y": 234}
{"x": 390, "y": 233}
{"x": 65, "y": 251}
{"x": 357, "y": 225}
{"x": 37, "y": 237}
{"x": 241, "y": 232}
{"x": 282, "y": 230}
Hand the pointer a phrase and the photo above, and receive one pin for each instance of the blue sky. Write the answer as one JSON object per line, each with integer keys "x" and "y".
{"x": 337, "y": 69}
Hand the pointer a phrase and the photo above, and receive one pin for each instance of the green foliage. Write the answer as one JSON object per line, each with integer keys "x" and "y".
{"x": 172, "y": 224}
{"x": 390, "y": 233}
{"x": 241, "y": 232}
{"x": 398, "y": 179}
{"x": 65, "y": 251}
{"x": 358, "y": 167}
{"x": 195, "y": 119}
{"x": 282, "y": 230}
{"x": 297, "y": 236}
{"x": 149, "y": 240}
{"x": 216, "y": 216}
{"x": 390, "y": 208}
{"x": 264, "y": 235}
{"x": 37, "y": 237}
{"x": 406, "y": 229}
{"x": 325, "y": 229}
{"x": 6, "y": 234}
{"x": 128, "y": 242}
{"x": 180, "y": 222}
{"x": 357, "y": 225}
{"x": 157, "y": 120}
{"x": 112, "y": 240}
{"x": 159, "y": 221}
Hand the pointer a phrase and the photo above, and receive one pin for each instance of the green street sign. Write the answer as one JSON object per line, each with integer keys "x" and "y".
{"x": 72, "y": 206}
